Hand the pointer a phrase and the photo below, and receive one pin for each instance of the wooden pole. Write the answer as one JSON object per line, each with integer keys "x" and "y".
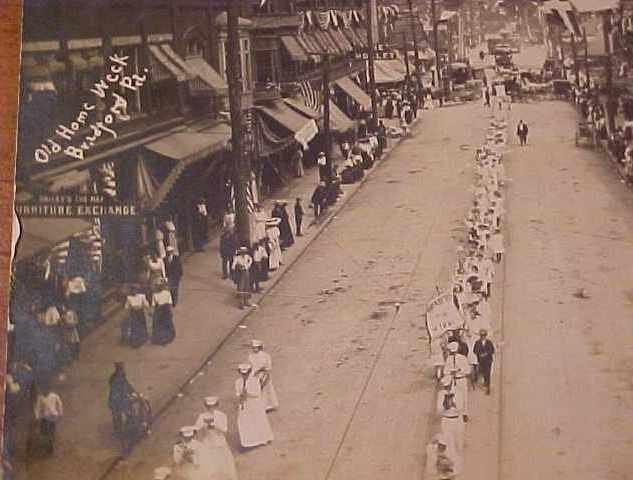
{"x": 584, "y": 37}
{"x": 406, "y": 57}
{"x": 574, "y": 52}
{"x": 326, "y": 116}
{"x": 371, "y": 6}
{"x": 606, "y": 29}
{"x": 241, "y": 161}
{"x": 436, "y": 45}
{"x": 414, "y": 32}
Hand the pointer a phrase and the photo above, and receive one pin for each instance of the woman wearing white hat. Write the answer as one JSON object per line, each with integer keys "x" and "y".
{"x": 217, "y": 459}
{"x": 252, "y": 422}
{"x": 274, "y": 247}
{"x": 262, "y": 365}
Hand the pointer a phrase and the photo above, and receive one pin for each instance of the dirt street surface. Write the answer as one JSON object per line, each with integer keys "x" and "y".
{"x": 351, "y": 372}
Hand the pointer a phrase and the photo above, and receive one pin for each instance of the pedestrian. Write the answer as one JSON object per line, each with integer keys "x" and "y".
{"x": 173, "y": 269}
{"x": 255, "y": 270}
{"x": 274, "y": 247}
{"x": 49, "y": 409}
{"x": 485, "y": 350}
{"x": 389, "y": 108}
{"x": 299, "y": 216}
{"x": 522, "y": 132}
{"x": 68, "y": 323}
{"x": 155, "y": 268}
{"x": 163, "y": 329}
{"x": 286, "y": 239}
{"x": 134, "y": 331}
{"x": 228, "y": 221}
{"x": 217, "y": 460}
{"x": 487, "y": 97}
{"x": 119, "y": 397}
{"x": 297, "y": 162}
{"x": 227, "y": 251}
{"x": 262, "y": 365}
{"x": 241, "y": 266}
{"x": 382, "y": 136}
{"x": 252, "y": 422}
{"x": 259, "y": 217}
{"x": 172, "y": 236}
{"x": 200, "y": 224}
{"x": 324, "y": 174}
{"x": 459, "y": 368}
{"x": 319, "y": 197}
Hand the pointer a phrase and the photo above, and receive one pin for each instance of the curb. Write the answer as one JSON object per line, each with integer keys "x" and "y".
{"x": 267, "y": 290}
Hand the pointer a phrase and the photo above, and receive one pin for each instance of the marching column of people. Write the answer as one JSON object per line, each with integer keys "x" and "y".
{"x": 463, "y": 357}
{"x": 202, "y": 451}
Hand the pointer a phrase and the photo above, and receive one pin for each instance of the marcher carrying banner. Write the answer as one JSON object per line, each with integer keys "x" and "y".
{"x": 442, "y": 315}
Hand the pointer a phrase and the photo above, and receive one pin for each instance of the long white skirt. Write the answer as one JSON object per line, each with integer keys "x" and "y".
{"x": 252, "y": 423}
{"x": 269, "y": 395}
{"x": 216, "y": 458}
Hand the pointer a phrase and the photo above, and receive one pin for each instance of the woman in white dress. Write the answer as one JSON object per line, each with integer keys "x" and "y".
{"x": 252, "y": 422}
{"x": 259, "y": 218}
{"x": 274, "y": 247}
{"x": 262, "y": 365}
{"x": 217, "y": 459}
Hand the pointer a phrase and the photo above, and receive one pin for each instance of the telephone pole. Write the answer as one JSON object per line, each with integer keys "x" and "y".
{"x": 326, "y": 115}
{"x": 414, "y": 26}
{"x": 241, "y": 157}
{"x": 371, "y": 8}
{"x": 436, "y": 45}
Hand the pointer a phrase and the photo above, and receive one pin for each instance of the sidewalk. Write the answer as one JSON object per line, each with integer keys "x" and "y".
{"x": 206, "y": 315}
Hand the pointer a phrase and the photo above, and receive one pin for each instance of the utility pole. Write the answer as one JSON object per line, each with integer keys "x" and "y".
{"x": 574, "y": 52}
{"x": 241, "y": 159}
{"x": 436, "y": 45}
{"x": 326, "y": 115}
{"x": 414, "y": 26}
{"x": 606, "y": 29}
{"x": 406, "y": 57}
{"x": 584, "y": 38}
{"x": 371, "y": 8}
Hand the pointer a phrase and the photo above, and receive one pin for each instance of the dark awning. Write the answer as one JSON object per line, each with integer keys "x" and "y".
{"x": 40, "y": 234}
{"x": 186, "y": 148}
{"x": 304, "y": 128}
{"x": 355, "y": 92}
{"x": 339, "y": 122}
{"x": 293, "y": 48}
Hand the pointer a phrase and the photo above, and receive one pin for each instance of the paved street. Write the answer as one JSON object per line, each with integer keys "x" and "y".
{"x": 351, "y": 373}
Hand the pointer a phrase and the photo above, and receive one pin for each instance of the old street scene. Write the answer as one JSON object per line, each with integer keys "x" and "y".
{"x": 284, "y": 239}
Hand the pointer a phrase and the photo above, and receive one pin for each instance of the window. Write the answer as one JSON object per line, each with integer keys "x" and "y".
{"x": 194, "y": 48}
{"x": 245, "y": 62}
{"x": 264, "y": 67}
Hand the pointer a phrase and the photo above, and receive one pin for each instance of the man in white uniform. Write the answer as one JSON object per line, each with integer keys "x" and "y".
{"x": 459, "y": 368}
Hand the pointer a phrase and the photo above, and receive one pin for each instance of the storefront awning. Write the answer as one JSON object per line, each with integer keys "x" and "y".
{"x": 186, "y": 148}
{"x": 355, "y": 92}
{"x": 385, "y": 73}
{"x": 586, "y": 6}
{"x": 302, "y": 108}
{"x": 163, "y": 60}
{"x": 339, "y": 122}
{"x": 206, "y": 76}
{"x": 304, "y": 128}
{"x": 293, "y": 48}
{"x": 39, "y": 234}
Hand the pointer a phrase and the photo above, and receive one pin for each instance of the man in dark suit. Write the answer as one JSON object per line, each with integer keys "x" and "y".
{"x": 484, "y": 350}
{"x": 173, "y": 270}
{"x": 522, "y": 132}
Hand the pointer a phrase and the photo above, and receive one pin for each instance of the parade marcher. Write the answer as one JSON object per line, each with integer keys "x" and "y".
{"x": 274, "y": 248}
{"x": 252, "y": 422}
{"x": 217, "y": 459}
{"x": 496, "y": 245}
{"x": 297, "y": 162}
{"x": 187, "y": 454}
{"x": 319, "y": 198}
{"x": 228, "y": 245}
{"x": 173, "y": 269}
{"x": 241, "y": 271}
{"x": 119, "y": 397}
{"x": 459, "y": 368}
{"x": 485, "y": 350}
{"x": 522, "y": 132}
{"x": 262, "y": 365}
{"x": 455, "y": 336}
{"x": 446, "y": 388}
{"x": 441, "y": 461}
{"x": 48, "y": 411}
{"x": 200, "y": 224}
{"x": 299, "y": 216}
{"x": 134, "y": 328}
{"x": 163, "y": 329}
{"x": 452, "y": 424}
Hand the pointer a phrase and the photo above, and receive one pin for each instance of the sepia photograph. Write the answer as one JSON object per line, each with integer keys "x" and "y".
{"x": 320, "y": 240}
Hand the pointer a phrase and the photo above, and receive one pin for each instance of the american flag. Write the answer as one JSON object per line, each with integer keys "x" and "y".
{"x": 311, "y": 96}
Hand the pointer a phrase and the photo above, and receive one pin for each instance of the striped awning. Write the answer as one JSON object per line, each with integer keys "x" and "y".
{"x": 339, "y": 122}
{"x": 355, "y": 92}
{"x": 384, "y": 73}
{"x": 39, "y": 234}
{"x": 303, "y": 127}
{"x": 295, "y": 51}
{"x": 163, "y": 67}
{"x": 206, "y": 76}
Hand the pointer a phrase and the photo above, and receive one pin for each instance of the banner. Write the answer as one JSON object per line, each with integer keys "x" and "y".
{"x": 442, "y": 315}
